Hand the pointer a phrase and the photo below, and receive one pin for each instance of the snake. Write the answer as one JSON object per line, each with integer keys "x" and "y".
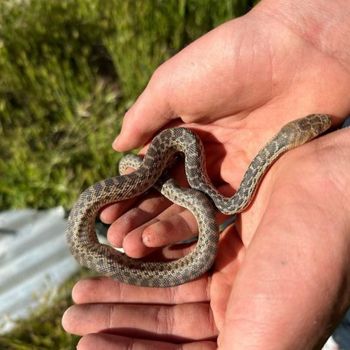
{"x": 201, "y": 198}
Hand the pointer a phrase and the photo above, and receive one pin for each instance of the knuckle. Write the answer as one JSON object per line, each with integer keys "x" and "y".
{"x": 159, "y": 79}
{"x": 164, "y": 318}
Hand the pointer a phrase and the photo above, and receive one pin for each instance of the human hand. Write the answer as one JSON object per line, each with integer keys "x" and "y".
{"x": 242, "y": 94}
{"x": 284, "y": 288}
{"x": 236, "y": 86}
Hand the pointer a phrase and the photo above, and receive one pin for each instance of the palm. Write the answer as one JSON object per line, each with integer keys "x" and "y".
{"x": 249, "y": 254}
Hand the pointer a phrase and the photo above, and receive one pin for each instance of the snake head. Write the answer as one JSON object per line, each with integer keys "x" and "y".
{"x": 300, "y": 131}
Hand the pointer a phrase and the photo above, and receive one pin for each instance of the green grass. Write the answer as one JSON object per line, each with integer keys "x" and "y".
{"x": 68, "y": 71}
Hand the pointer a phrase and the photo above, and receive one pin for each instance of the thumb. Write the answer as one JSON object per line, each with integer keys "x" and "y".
{"x": 198, "y": 84}
{"x": 149, "y": 113}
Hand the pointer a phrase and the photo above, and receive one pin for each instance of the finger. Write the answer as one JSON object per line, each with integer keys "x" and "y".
{"x": 142, "y": 213}
{"x": 171, "y": 226}
{"x": 148, "y": 206}
{"x": 132, "y": 241}
{"x": 149, "y": 113}
{"x": 201, "y": 87}
{"x": 138, "y": 232}
{"x": 113, "y": 342}
{"x": 175, "y": 323}
{"x": 150, "y": 203}
{"x": 111, "y": 212}
{"x": 106, "y": 290}
{"x": 177, "y": 87}
{"x": 170, "y": 229}
{"x": 189, "y": 84}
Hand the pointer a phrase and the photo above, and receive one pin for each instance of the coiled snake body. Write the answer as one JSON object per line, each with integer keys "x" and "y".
{"x": 89, "y": 252}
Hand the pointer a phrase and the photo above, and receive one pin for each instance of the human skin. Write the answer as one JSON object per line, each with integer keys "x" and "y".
{"x": 281, "y": 278}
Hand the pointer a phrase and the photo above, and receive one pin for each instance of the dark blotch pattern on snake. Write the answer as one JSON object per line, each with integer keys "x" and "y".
{"x": 104, "y": 259}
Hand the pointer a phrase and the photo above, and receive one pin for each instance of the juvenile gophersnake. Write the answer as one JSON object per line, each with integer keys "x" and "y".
{"x": 104, "y": 259}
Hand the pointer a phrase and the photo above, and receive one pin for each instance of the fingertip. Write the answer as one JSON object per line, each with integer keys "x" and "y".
{"x": 134, "y": 247}
{"x": 115, "y": 236}
{"x": 129, "y": 138}
{"x": 108, "y": 215}
{"x": 67, "y": 319}
{"x": 147, "y": 238}
{"x": 156, "y": 234}
{"x": 112, "y": 212}
{"x": 149, "y": 113}
{"x": 115, "y": 144}
{"x": 78, "y": 291}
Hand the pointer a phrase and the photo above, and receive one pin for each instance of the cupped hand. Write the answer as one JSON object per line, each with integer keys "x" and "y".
{"x": 281, "y": 277}
{"x": 283, "y": 289}
{"x": 236, "y": 86}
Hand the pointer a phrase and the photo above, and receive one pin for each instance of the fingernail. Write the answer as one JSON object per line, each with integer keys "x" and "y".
{"x": 145, "y": 238}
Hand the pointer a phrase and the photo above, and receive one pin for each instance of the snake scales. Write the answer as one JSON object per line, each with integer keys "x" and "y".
{"x": 89, "y": 252}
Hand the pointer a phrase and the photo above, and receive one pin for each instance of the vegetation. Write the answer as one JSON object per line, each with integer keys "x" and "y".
{"x": 68, "y": 71}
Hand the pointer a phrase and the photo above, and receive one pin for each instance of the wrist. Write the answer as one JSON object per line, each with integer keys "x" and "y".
{"x": 322, "y": 23}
